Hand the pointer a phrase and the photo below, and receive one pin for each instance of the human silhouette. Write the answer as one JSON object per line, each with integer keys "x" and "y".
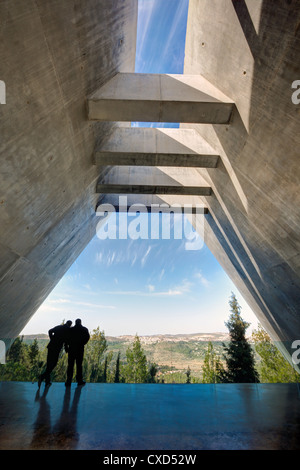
{"x": 77, "y": 339}
{"x": 58, "y": 338}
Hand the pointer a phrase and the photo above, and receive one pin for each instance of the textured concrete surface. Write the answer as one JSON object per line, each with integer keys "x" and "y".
{"x": 52, "y": 55}
{"x": 150, "y": 416}
{"x": 250, "y": 50}
{"x": 160, "y": 98}
{"x": 246, "y": 50}
{"x": 154, "y": 189}
{"x": 155, "y": 147}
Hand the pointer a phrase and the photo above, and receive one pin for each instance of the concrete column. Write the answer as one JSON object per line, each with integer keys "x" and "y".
{"x": 160, "y": 98}
{"x": 156, "y": 147}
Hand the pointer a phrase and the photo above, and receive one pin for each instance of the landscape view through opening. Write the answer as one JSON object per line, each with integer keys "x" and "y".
{"x": 154, "y": 288}
{"x": 146, "y": 286}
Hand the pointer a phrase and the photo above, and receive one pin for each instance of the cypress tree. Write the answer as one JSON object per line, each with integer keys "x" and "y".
{"x": 188, "y": 375}
{"x": 136, "y": 369}
{"x": 239, "y": 356}
{"x": 117, "y": 373}
{"x": 211, "y": 365}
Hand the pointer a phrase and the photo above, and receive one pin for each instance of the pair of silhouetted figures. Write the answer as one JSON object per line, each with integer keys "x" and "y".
{"x": 73, "y": 339}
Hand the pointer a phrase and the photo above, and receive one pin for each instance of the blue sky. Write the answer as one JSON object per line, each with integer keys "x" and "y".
{"x": 145, "y": 286}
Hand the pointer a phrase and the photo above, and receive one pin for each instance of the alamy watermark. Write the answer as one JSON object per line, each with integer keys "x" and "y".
{"x": 296, "y": 354}
{"x": 2, "y": 352}
{"x": 2, "y": 92}
{"x": 141, "y": 222}
{"x": 296, "y": 95}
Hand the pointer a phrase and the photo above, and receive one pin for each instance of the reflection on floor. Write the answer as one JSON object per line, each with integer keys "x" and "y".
{"x": 149, "y": 416}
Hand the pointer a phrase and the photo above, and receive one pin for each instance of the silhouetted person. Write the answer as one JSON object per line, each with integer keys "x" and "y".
{"x": 78, "y": 337}
{"x": 58, "y": 338}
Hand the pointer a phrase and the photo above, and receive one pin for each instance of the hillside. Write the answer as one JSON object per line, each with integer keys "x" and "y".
{"x": 174, "y": 353}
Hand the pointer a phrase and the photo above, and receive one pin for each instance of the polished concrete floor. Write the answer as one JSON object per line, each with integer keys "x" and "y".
{"x": 150, "y": 416}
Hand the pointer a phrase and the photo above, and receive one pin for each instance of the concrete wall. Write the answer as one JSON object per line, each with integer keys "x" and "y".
{"x": 53, "y": 54}
{"x": 250, "y": 50}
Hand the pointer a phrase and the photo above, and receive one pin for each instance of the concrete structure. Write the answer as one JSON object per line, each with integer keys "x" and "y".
{"x": 147, "y": 189}
{"x": 250, "y": 50}
{"x": 252, "y": 226}
{"x": 160, "y": 98}
{"x": 52, "y": 55}
{"x": 150, "y": 417}
{"x": 138, "y": 146}
{"x": 69, "y": 70}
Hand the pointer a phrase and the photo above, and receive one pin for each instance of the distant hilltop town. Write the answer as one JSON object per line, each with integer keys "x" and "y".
{"x": 150, "y": 339}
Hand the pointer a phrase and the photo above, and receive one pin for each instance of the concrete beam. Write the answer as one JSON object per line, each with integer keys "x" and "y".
{"x": 156, "y": 147}
{"x": 160, "y": 98}
{"x": 153, "y": 189}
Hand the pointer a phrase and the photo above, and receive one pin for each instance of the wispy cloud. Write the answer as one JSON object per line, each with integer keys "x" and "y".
{"x": 180, "y": 12}
{"x": 170, "y": 292}
{"x": 99, "y": 257}
{"x": 145, "y": 13}
{"x": 202, "y": 279}
{"x": 144, "y": 258}
{"x": 111, "y": 258}
{"x": 160, "y": 36}
{"x": 180, "y": 289}
{"x": 129, "y": 256}
{"x": 147, "y": 18}
{"x": 56, "y": 304}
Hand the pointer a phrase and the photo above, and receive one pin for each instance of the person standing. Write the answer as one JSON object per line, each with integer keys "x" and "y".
{"x": 58, "y": 338}
{"x": 78, "y": 338}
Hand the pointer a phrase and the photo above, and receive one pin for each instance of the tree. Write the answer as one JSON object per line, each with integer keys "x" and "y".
{"x": 16, "y": 351}
{"x": 188, "y": 375}
{"x": 239, "y": 356}
{"x": 93, "y": 366}
{"x": 117, "y": 372}
{"x": 105, "y": 371}
{"x": 34, "y": 359}
{"x": 152, "y": 371}
{"x": 212, "y": 366}
{"x": 273, "y": 367}
{"x": 33, "y": 351}
{"x": 18, "y": 366}
{"x": 136, "y": 369}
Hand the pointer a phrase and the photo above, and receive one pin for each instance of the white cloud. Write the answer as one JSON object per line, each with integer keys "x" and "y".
{"x": 145, "y": 12}
{"x": 110, "y": 258}
{"x": 205, "y": 282}
{"x": 180, "y": 289}
{"x": 144, "y": 258}
{"x": 181, "y": 7}
{"x": 73, "y": 303}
